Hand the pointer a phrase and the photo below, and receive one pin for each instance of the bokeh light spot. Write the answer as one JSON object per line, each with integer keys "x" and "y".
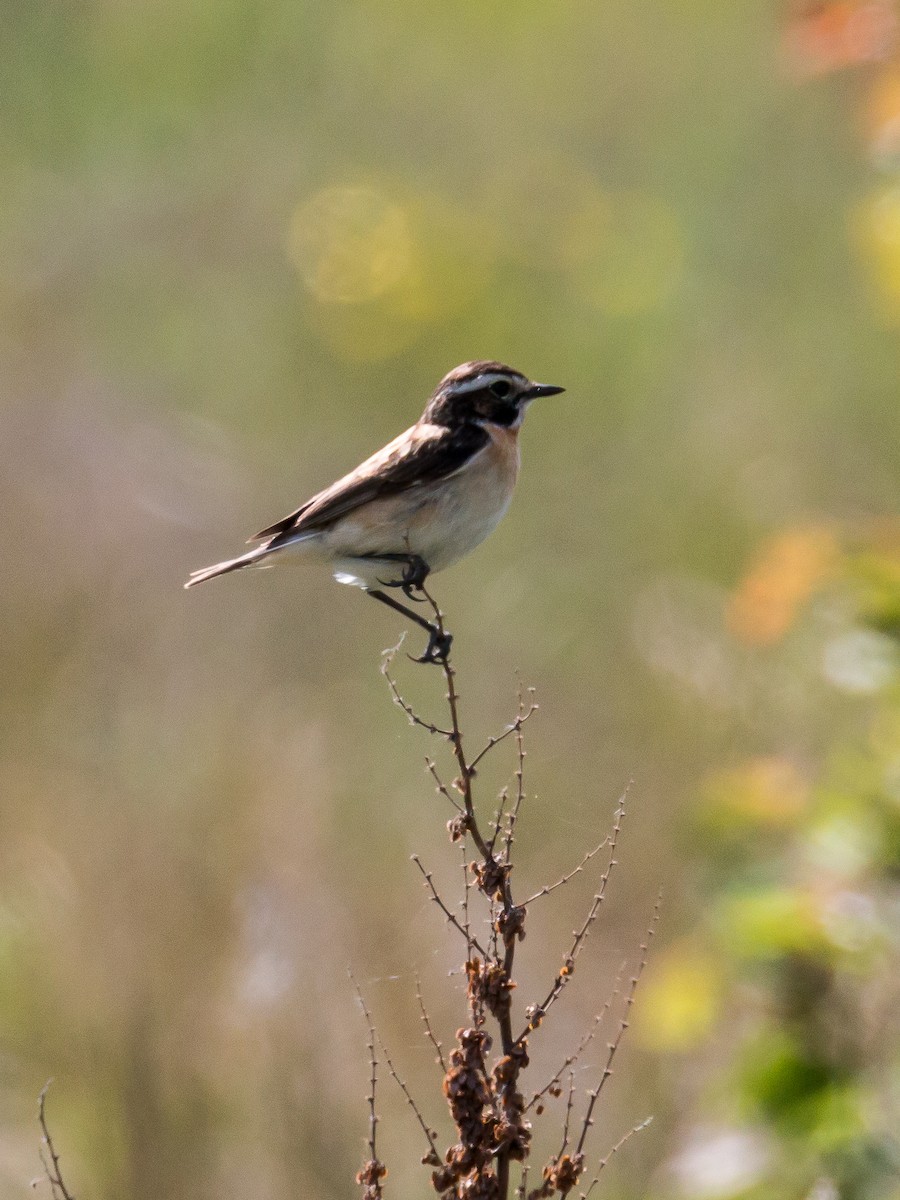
{"x": 680, "y": 1002}
{"x": 767, "y": 790}
{"x": 380, "y": 270}
{"x": 350, "y": 244}
{"x": 877, "y": 228}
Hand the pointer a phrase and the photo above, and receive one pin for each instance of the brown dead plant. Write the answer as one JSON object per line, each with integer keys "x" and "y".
{"x": 483, "y": 1073}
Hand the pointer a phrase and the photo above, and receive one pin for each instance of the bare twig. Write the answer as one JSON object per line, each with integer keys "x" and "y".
{"x": 498, "y": 817}
{"x": 548, "y": 888}
{"x": 519, "y": 775}
{"x": 455, "y": 737}
{"x": 521, "y": 717}
{"x": 483, "y": 1086}
{"x": 570, "y": 1099}
{"x": 582, "y": 1045}
{"x": 51, "y": 1167}
{"x": 429, "y": 1032}
{"x": 465, "y": 900}
{"x": 454, "y": 921}
{"x": 440, "y": 785}
{"x": 616, "y": 1148}
{"x": 414, "y": 718}
{"x": 623, "y": 1025}
{"x": 373, "y": 1063}
{"x": 565, "y": 974}
{"x": 432, "y": 1157}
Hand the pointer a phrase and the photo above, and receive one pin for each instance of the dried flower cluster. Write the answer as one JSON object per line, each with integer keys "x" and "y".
{"x": 481, "y": 1084}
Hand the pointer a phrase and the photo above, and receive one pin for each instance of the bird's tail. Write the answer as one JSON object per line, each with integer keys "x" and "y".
{"x": 232, "y": 564}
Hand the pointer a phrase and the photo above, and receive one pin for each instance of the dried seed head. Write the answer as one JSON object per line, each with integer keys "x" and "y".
{"x": 510, "y": 924}
{"x": 458, "y": 827}
{"x": 534, "y": 1015}
{"x": 491, "y": 877}
{"x": 370, "y": 1177}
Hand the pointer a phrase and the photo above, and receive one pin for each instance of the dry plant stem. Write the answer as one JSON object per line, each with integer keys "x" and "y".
{"x": 520, "y": 774}
{"x": 464, "y": 786}
{"x": 441, "y": 786}
{"x": 388, "y": 657}
{"x": 507, "y": 732}
{"x": 373, "y": 1171}
{"x": 523, "y": 1183}
{"x": 570, "y": 1100}
{"x": 435, "y": 896}
{"x": 51, "y": 1168}
{"x": 432, "y": 1156}
{"x": 616, "y": 1148}
{"x": 582, "y": 1045}
{"x": 498, "y": 817}
{"x": 485, "y": 1102}
{"x": 465, "y": 901}
{"x": 429, "y": 1031}
{"x": 580, "y": 935}
{"x": 548, "y": 888}
{"x": 623, "y": 1025}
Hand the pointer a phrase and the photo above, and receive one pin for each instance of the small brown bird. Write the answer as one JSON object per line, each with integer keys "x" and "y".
{"x": 418, "y": 505}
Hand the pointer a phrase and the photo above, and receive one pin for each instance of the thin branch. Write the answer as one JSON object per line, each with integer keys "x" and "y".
{"x": 51, "y": 1168}
{"x": 516, "y": 726}
{"x": 523, "y": 1183}
{"x": 432, "y": 1157}
{"x": 414, "y": 718}
{"x": 498, "y": 817}
{"x": 465, "y": 900}
{"x": 581, "y": 934}
{"x": 454, "y": 921}
{"x": 495, "y": 876}
{"x": 547, "y": 889}
{"x": 441, "y": 786}
{"x": 520, "y": 778}
{"x": 623, "y": 1025}
{"x": 582, "y": 1045}
{"x": 429, "y": 1032}
{"x": 454, "y": 736}
{"x": 616, "y": 1148}
{"x": 373, "y": 1063}
{"x": 569, "y": 1102}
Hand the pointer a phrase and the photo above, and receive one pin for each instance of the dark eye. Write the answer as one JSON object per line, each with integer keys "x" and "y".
{"x": 501, "y": 389}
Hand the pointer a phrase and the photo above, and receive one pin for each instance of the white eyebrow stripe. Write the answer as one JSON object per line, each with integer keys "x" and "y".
{"x": 480, "y": 382}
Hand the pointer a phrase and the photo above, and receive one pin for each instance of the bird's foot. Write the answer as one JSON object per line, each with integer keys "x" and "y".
{"x": 414, "y": 575}
{"x": 415, "y": 572}
{"x": 438, "y": 649}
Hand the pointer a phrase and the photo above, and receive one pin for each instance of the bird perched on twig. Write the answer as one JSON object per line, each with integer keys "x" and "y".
{"x": 418, "y": 505}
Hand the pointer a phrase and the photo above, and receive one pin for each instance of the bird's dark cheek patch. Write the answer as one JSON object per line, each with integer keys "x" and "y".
{"x": 497, "y": 413}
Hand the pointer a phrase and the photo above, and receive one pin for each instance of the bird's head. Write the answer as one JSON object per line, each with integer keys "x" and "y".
{"x": 484, "y": 393}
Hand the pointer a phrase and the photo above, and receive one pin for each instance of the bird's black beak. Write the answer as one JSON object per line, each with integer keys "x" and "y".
{"x": 543, "y": 389}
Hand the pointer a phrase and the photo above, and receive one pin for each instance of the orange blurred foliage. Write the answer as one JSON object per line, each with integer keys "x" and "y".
{"x": 787, "y": 570}
{"x": 825, "y": 37}
{"x": 768, "y": 789}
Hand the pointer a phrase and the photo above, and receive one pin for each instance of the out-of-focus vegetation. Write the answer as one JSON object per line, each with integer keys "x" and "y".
{"x": 240, "y": 242}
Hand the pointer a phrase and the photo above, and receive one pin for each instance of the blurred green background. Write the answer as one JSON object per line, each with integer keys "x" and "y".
{"x": 241, "y": 241}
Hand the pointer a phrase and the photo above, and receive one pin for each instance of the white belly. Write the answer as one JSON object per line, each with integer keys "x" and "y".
{"x": 440, "y": 523}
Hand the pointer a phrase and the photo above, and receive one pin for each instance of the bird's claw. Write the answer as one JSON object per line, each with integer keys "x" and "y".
{"x": 415, "y": 572}
{"x": 438, "y": 649}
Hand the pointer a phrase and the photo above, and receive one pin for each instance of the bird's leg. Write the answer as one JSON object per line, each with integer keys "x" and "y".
{"x": 439, "y": 641}
{"x": 415, "y": 572}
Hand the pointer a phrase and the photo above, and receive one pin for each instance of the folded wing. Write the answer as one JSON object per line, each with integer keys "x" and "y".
{"x": 423, "y": 454}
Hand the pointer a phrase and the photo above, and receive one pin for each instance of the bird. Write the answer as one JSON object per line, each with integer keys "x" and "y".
{"x": 418, "y": 505}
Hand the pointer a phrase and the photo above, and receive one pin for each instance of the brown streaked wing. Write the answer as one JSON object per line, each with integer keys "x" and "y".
{"x": 423, "y": 454}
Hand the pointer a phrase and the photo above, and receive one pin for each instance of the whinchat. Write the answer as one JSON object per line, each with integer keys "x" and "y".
{"x": 420, "y": 503}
